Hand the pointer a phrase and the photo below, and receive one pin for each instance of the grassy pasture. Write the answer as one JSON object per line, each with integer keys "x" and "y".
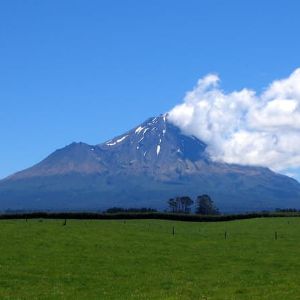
{"x": 141, "y": 259}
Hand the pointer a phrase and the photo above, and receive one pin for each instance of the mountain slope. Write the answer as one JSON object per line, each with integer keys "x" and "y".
{"x": 143, "y": 167}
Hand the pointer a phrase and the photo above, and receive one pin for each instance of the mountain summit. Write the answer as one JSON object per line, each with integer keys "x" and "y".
{"x": 144, "y": 167}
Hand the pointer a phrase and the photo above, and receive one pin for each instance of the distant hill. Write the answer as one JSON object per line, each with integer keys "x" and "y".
{"x": 144, "y": 168}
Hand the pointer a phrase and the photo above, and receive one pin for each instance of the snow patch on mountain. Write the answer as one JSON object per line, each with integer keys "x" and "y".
{"x": 139, "y": 129}
{"x": 157, "y": 150}
{"x": 117, "y": 141}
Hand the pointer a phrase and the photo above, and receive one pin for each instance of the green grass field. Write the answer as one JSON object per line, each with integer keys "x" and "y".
{"x": 141, "y": 259}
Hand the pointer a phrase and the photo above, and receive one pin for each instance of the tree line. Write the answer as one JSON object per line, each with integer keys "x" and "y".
{"x": 204, "y": 205}
{"x": 149, "y": 215}
{"x": 114, "y": 210}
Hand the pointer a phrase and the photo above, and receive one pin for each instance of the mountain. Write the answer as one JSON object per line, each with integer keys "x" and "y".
{"x": 144, "y": 168}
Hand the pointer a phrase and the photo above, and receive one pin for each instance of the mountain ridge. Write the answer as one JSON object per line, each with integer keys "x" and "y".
{"x": 144, "y": 167}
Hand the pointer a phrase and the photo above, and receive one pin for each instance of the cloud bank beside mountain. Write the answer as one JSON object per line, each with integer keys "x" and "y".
{"x": 243, "y": 126}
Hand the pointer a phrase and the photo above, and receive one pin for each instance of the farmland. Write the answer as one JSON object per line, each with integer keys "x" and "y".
{"x": 142, "y": 259}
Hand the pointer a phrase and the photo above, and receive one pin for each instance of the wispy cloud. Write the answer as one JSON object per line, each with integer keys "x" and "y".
{"x": 243, "y": 126}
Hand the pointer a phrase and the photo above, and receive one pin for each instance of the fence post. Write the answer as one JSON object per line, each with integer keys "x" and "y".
{"x": 225, "y": 235}
{"x": 275, "y": 235}
{"x": 173, "y": 230}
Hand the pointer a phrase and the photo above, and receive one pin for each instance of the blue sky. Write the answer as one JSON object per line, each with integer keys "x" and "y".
{"x": 89, "y": 70}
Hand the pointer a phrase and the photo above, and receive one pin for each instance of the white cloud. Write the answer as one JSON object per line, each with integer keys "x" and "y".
{"x": 242, "y": 126}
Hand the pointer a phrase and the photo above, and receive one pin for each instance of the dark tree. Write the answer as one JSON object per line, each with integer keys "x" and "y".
{"x": 180, "y": 204}
{"x": 187, "y": 203}
{"x": 205, "y": 206}
{"x": 172, "y": 205}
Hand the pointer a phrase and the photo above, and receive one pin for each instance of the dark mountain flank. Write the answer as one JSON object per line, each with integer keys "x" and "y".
{"x": 143, "y": 168}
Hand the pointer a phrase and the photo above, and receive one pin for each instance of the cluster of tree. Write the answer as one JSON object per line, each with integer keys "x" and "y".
{"x": 204, "y": 205}
{"x": 114, "y": 210}
{"x": 180, "y": 204}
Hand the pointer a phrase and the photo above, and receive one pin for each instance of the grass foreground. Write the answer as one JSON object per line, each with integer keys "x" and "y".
{"x": 142, "y": 259}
